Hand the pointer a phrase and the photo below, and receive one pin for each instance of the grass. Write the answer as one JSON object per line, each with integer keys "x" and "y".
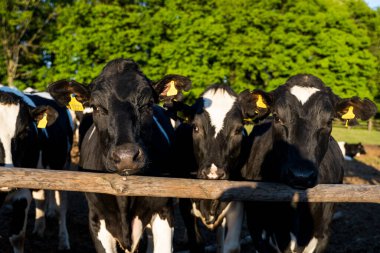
{"x": 352, "y": 135}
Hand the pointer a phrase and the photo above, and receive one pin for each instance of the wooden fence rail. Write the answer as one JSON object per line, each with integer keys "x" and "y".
{"x": 181, "y": 188}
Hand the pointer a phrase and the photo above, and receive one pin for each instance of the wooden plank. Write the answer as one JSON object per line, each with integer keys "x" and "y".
{"x": 181, "y": 188}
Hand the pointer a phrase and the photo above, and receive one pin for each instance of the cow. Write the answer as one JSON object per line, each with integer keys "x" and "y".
{"x": 294, "y": 146}
{"x": 27, "y": 141}
{"x": 129, "y": 135}
{"x": 350, "y": 150}
{"x": 212, "y": 146}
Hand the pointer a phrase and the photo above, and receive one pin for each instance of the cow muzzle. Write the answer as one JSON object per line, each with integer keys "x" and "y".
{"x": 127, "y": 158}
{"x": 302, "y": 178}
{"x": 213, "y": 172}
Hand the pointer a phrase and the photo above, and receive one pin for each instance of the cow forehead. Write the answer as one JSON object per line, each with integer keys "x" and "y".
{"x": 303, "y": 93}
{"x": 217, "y": 103}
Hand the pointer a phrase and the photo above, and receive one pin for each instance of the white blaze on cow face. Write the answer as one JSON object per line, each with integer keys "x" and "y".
{"x": 218, "y": 103}
{"x": 213, "y": 174}
{"x": 8, "y": 119}
{"x": 303, "y": 93}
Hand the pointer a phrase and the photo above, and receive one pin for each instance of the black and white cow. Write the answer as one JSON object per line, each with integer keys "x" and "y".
{"x": 350, "y": 150}
{"x": 295, "y": 147}
{"x": 212, "y": 146}
{"x": 22, "y": 144}
{"x": 129, "y": 136}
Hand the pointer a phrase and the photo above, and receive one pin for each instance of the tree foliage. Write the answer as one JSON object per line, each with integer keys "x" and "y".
{"x": 245, "y": 43}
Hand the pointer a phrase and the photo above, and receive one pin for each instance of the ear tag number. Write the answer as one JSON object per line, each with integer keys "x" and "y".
{"x": 74, "y": 104}
{"x": 172, "y": 91}
{"x": 260, "y": 102}
{"x": 43, "y": 122}
{"x": 349, "y": 115}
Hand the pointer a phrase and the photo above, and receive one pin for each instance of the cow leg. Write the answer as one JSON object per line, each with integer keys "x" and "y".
{"x": 103, "y": 240}
{"x": 40, "y": 222}
{"x": 220, "y": 233}
{"x": 137, "y": 231}
{"x": 195, "y": 240}
{"x": 162, "y": 235}
{"x": 21, "y": 200}
{"x": 234, "y": 219}
{"x": 61, "y": 202}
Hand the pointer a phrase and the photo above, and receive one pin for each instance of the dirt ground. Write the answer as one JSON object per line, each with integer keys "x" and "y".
{"x": 357, "y": 228}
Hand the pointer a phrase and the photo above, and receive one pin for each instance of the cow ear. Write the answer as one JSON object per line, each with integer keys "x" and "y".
{"x": 351, "y": 109}
{"x": 254, "y": 104}
{"x": 72, "y": 94}
{"x": 171, "y": 87}
{"x": 44, "y": 115}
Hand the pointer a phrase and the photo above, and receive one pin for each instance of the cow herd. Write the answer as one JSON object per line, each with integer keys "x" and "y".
{"x": 129, "y": 133}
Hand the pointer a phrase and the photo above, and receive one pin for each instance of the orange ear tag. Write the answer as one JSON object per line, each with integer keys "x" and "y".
{"x": 74, "y": 104}
{"x": 172, "y": 91}
{"x": 43, "y": 122}
{"x": 349, "y": 115}
{"x": 260, "y": 102}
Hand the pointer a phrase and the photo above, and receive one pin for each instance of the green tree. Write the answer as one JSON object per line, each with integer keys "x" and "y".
{"x": 23, "y": 23}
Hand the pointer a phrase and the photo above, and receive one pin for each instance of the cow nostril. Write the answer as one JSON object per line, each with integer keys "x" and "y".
{"x": 137, "y": 155}
{"x": 115, "y": 157}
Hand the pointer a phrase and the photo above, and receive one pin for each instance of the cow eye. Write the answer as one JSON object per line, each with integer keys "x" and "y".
{"x": 239, "y": 130}
{"x": 195, "y": 129}
{"x": 99, "y": 109}
{"x": 277, "y": 119}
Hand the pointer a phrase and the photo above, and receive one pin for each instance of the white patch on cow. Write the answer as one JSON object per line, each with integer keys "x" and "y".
{"x": 220, "y": 233}
{"x": 218, "y": 103}
{"x": 197, "y": 213}
{"x": 161, "y": 129}
{"x": 162, "y": 235}
{"x": 341, "y": 147}
{"x": 293, "y": 242}
{"x": 88, "y": 110}
{"x": 63, "y": 234}
{"x": 264, "y": 235}
{"x": 213, "y": 170}
{"x": 8, "y": 119}
{"x": 311, "y": 246}
{"x": 234, "y": 218}
{"x": 273, "y": 242}
{"x": 106, "y": 239}
{"x": 137, "y": 230}
{"x": 92, "y": 132}
{"x": 303, "y": 93}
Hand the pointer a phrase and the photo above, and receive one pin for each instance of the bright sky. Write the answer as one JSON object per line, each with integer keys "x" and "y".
{"x": 373, "y": 3}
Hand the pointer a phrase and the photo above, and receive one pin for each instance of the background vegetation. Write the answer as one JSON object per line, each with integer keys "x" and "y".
{"x": 245, "y": 43}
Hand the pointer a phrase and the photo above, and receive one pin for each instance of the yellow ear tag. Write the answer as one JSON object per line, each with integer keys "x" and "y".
{"x": 349, "y": 115}
{"x": 260, "y": 102}
{"x": 43, "y": 122}
{"x": 172, "y": 91}
{"x": 74, "y": 104}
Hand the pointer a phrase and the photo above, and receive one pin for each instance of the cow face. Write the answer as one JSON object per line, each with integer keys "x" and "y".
{"x": 122, "y": 99}
{"x": 218, "y": 132}
{"x": 303, "y": 110}
{"x": 18, "y": 131}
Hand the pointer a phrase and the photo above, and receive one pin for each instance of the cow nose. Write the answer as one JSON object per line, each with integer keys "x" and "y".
{"x": 213, "y": 173}
{"x": 302, "y": 179}
{"x": 128, "y": 158}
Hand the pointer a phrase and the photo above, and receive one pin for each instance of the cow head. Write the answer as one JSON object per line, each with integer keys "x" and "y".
{"x": 218, "y": 131}
{"x": 18, "y": 130}
{"x": 122, "y": 98}
{"x": 303, "y": 110}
